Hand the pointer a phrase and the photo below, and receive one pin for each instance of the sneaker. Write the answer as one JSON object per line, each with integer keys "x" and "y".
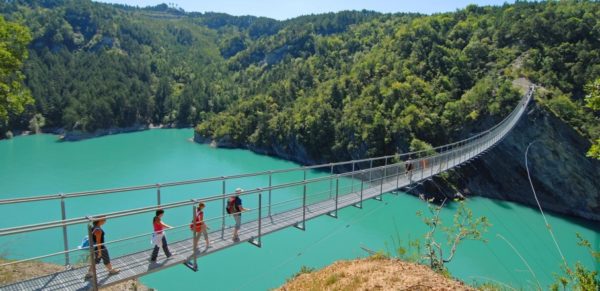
{"x": 114, "y": 271}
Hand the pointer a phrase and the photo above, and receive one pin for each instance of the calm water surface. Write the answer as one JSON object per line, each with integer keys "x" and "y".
{"x": 36, "y": 165}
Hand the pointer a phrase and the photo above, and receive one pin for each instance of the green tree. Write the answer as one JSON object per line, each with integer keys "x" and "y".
{"x": 593, "y": 102}
{"x": 579, "y": 278}
{"x": 464, "y": 227}
{"x": 14, "y": 96}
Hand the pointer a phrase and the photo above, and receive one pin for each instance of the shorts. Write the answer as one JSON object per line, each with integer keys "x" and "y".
{"x": 201, "y": 230}
{"x": 238, "y": 220}
{"x": 105, "y": 257}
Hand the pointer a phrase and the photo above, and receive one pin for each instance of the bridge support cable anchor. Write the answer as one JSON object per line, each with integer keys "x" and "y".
{"x": 257, "y": 240}
{"x": 334, "y": 213}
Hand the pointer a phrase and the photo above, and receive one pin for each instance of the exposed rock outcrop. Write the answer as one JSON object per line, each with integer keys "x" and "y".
{"x": 76, "y": 135}
{"x": 565, "y": 180}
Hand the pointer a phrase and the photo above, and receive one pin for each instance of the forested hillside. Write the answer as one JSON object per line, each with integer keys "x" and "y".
{"x": 319, "y": 88}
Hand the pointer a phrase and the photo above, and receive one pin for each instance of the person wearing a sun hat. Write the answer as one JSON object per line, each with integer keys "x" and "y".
{"x": 236, "y": 208}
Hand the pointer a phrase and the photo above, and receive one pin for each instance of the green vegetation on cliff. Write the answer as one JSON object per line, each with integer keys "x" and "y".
{"x": 324, "y": 87}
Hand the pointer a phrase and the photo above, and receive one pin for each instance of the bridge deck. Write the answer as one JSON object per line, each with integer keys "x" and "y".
{"x": 138, "y": 264}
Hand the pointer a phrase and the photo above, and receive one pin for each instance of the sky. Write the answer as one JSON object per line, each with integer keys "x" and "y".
{"x": 285, "y": 9}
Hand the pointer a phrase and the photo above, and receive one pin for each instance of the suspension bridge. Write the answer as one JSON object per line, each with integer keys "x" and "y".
{"x": 343, "y": 184}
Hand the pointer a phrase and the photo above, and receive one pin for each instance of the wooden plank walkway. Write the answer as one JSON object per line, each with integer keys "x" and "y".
{"x": 137, "y": 264}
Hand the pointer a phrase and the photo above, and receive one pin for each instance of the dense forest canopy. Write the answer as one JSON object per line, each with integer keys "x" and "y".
{"x": 332, "y": 86}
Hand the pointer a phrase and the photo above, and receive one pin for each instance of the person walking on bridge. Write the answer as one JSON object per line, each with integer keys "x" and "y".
{"x": 235, "y": 208}
{"x": 200, "y": 227}
{"x": 100, "y": 250}
{"x": 158, "y": 237}
{"x": 408, "y": 166}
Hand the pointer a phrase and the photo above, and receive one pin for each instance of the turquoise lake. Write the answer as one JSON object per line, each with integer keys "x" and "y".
{"x": 39, "y": 165}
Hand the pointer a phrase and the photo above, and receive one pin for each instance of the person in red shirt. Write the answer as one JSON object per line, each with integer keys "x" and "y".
{"x": 159, "y": 238}
{"x": 200, "y": 226}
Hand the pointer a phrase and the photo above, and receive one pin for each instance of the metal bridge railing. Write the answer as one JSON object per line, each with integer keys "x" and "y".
{"x": 343, "y": 178}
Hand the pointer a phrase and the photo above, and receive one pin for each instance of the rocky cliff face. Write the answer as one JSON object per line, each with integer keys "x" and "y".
{"x": 565, "y": 180}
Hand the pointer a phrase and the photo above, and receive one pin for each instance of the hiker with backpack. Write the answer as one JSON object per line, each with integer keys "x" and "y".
{"x": 235, "y": 208}
{"x": 158, "y": 237}
{"x": 100, "y": 250}
{"x": 200, "y": 227}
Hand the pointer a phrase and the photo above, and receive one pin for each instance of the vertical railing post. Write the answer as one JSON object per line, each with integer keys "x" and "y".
{"x": 92, "y": 256}
{"x": 454, "y": 154}
{"x": 63, "y": 213}
{"x": 257, "y": 240}
{"x": 385, "y": 166}
{"x": 304, "y": 201}
{"x": 431, "y": 165}
{"x": 331, "y": 181}
{"x": 352, "y": 185}
{"x": 157, "y": 194}
{"x": 447, "y": 159}
{"x": 362, "y": 183}
{"x": 270, "y": 185}
{"x": 371, "y": 172}
{"x": 422, "y": 168}
{"x": 304, "y": 207}
{"x": 223, "y": 208}
{"x": 398, "y": 174}
{"x": 337, "y": 191}
{"x": 383, "y": 174}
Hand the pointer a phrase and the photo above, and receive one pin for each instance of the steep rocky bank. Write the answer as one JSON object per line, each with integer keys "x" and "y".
{"x": 566, "y": 180}
{"x": 76, "y": 135}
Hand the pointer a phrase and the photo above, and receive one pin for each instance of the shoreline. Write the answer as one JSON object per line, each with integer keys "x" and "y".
{"x": 77, "y": 135}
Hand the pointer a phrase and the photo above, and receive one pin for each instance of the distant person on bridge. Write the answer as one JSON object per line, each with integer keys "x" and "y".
{"x": 235, "y": 208}
{"x": 100, "y": 251}
{"x": 200, "y": 227}
{"x": 159, "y": 238}
{"x": 408, "y": 166}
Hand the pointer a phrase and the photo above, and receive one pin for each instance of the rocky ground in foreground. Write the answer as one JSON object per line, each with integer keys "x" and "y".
{"x": 23, "y": 271}
{"x": 373, "y": 274}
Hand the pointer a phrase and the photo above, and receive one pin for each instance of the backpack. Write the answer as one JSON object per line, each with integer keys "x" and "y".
{"x": 199, "y": 222}
{"x": 85, "y": 243}
{"x": 231, "y": 205}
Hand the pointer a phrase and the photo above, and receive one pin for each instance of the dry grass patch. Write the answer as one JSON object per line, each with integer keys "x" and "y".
{"x": 373, "y": 274}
